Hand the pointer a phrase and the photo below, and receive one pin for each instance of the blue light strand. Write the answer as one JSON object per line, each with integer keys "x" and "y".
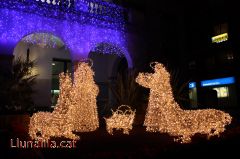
{"x": 79, "y": 35}
{"x": 112, "y": 18}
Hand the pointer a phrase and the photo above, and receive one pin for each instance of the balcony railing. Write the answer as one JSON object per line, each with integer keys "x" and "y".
{"x": 76, "y": 10}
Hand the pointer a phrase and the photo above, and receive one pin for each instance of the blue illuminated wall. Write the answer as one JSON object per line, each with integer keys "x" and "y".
{"x": 81, "y": 32}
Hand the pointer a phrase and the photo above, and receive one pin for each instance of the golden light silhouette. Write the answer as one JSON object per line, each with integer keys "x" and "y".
{"x": 165, "y": 115}
{"x": 76, "y": 108}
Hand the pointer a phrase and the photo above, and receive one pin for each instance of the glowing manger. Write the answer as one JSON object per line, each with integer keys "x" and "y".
{"x": 121, "y": 120}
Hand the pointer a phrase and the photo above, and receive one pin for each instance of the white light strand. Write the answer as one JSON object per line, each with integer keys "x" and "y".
{"x": 165, "y": 115}
{"x": 44, "y": 40}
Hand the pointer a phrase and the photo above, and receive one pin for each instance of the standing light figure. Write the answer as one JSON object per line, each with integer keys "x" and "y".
{"x": 165, "y": 115}
{"x": 84, "y": 99}
{"x": 121, "y": 120}
{"x": 76, "y": 108}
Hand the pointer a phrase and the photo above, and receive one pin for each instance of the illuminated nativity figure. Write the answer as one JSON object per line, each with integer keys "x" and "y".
{"x": 76, "y": 108}
{"x": 165, "y": 115}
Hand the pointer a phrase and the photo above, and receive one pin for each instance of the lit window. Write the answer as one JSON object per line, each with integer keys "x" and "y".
{"x": 222, "y": 92}
{"x": 58, "y": 66}
{"x": 220, "y": 38}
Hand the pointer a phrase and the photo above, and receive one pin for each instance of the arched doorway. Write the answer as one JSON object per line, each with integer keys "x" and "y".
{"x": 51, "y": 58}
{"x": 108, "y": 61}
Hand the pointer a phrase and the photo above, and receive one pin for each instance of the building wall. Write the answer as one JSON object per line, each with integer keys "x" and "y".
{"x": 43, "y": 58}
{"x": 80, "y": 39}
{"x": 105, "y": 67}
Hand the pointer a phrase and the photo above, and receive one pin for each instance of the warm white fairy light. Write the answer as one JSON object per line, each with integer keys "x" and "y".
{"x": 76, "y": 108}
{"x": 165, "y": 115}
{"x": 44, "y": 40}
{"x": 83, "y": 95}
{"x": 43, "y": 125}
{"x": 121, "y": 120}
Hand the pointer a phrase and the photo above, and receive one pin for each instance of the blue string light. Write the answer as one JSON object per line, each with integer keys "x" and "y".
{"x": 82, "y": 26}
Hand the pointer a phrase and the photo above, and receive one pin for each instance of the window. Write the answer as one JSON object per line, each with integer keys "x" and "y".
{"x": 58, "y": 66}
{"x": 222, "y": 92}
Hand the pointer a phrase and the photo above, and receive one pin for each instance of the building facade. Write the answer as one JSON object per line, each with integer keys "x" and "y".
{"x": 58, "y": 33}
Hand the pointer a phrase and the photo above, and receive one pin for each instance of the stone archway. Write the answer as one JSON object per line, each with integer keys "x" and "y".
{"x": 50, "y": 54}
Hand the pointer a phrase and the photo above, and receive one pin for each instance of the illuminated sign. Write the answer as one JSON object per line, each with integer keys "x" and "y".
{"x": 192, "y": 85}
{"x": 219, "y": 81}
{"x": 220, "y": 38}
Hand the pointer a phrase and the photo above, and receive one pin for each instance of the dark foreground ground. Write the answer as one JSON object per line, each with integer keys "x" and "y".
{"x": 139, "y": 144}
